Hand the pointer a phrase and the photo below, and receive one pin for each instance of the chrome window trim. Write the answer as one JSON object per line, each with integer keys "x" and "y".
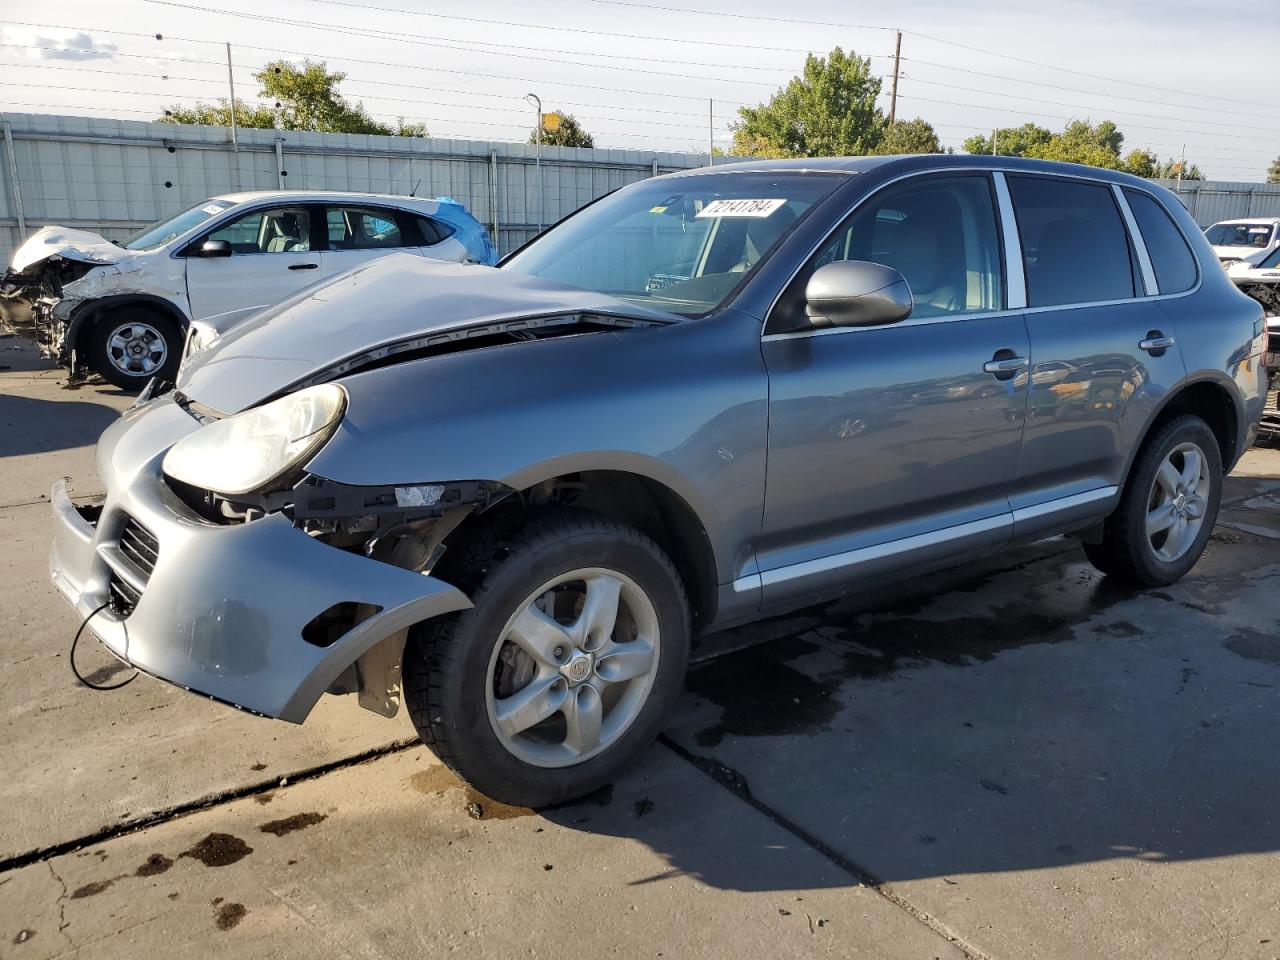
{"x": 853, "y": 558}
{"x": 1139, "y": 243}
{"x": 1001, "y": 172}
{"x": 1015, "y": 278}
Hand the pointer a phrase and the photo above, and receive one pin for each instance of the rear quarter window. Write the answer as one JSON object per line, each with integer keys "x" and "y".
{"x": 1074, "y": 245}
{"x": 1172, "y": 259}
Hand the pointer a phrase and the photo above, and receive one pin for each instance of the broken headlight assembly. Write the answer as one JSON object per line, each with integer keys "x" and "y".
{"x": 248, "y": 451}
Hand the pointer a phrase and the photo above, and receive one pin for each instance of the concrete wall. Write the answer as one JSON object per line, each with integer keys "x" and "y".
{"x": 115, "y": 176}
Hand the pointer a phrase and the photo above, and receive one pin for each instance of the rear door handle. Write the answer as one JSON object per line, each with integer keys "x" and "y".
{"x": 1156, "y": 342}
{"x": 1005, "y": 367}
{"x": 303, "y": 266}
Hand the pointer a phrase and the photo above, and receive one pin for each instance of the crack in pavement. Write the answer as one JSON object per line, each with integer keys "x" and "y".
{"x": 61, "y": 904}
{"x": 736, "y": 784}
{"x": 180, "y": 810}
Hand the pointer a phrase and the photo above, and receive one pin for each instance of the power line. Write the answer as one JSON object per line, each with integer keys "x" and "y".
{"x": 1039, "y": 64}
{"x": 543, "y": 26}
{"x": 419, "y": 40}
{"x": 1059, "y": 103}
{"x": 1094, "y": 93}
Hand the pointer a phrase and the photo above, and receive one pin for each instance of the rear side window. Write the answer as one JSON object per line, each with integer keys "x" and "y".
{"x": 360, "y": 228}
{"x": 1074, "y": 244}
{"x": 433, "y": 231}
{"x": 1172, "y": 259}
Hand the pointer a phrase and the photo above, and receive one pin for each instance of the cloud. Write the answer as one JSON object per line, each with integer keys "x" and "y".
{"x": 79, "y": 46}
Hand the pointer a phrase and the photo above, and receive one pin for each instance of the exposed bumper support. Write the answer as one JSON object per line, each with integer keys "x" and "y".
{"x": 222, "y": 611}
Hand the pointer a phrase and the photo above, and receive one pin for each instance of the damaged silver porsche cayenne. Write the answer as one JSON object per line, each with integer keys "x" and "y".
{"x": 507, "y": 498}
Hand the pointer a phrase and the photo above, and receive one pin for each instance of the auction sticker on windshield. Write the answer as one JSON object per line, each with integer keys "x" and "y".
{"x": 740, "y": 208}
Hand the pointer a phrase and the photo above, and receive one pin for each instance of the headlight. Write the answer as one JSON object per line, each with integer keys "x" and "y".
{"x": 245, "y": 452}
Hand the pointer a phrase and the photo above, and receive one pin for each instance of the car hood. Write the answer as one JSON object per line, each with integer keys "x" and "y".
{"x": 80, "y": 245}
{"x": 397, "y": 298}
{"x": 1248, "y": 254}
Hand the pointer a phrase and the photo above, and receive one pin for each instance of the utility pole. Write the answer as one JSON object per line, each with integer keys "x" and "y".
{"x": 235, "y": 142}
{"x": 995, "y": 143}
{"x": 537, "y": 139}
{"x": 893, "y": 95}
{"x": 1181, "y": 164}
{"x": 711, "y": 133}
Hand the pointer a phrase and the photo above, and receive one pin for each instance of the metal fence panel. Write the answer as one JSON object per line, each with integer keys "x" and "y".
{"x": 1209, "y": 201}
{"x": 115, "y": 176}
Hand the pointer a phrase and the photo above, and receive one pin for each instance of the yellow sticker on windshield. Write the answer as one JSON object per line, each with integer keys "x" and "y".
{"x": 657, "y": 209}
{"x": 740, "y": 208}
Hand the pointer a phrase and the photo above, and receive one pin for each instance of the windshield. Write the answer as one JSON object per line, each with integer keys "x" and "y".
{"x": 162, "y": 231}
{"x": 681, "y": 245}
{"x": 1239, "y": 234}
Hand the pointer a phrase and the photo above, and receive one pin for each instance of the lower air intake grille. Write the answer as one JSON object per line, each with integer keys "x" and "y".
{"x": 140, "y": 546}
{"x": 123, "y": 596}
{"x": 140, "y": 549}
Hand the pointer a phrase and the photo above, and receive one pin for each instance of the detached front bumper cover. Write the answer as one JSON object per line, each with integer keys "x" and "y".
{"x": 223, "y": 608}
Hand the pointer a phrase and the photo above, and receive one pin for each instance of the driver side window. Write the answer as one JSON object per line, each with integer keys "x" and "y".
{"x": 273, "y": 230}
{"x": 939, "y": 232}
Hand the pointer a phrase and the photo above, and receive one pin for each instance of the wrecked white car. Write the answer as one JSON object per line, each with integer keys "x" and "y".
{"x": 124, "y": 310}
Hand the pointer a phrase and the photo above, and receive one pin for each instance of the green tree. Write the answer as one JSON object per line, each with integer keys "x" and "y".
{"x": 305, "y": 98}
{"x": 1082, "y": 142}
{"x": 568, "y": 133}
{"x": 1169, "y": 171}
{"x": 828, "y": 111}
{"x": 1009, "y": 141}
{"x": 1142, "y": 163}
{"x": 1273, "y": 171}
{"x": 909, "y": 136}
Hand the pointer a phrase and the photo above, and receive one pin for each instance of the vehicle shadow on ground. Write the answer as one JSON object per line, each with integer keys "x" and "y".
{"x": 30, "y": 425}
{"x": 1027, "y": 713}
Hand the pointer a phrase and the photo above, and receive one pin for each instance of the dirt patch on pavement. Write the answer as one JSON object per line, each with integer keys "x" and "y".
{"x": 154, "y": 865}
{"x": 219, "y": 850}
{"x": 229, "y": 914}
{"x": 299, "y": 821}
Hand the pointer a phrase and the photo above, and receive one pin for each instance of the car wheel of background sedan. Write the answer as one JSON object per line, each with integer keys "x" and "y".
{"x": 577, "y": 642}
{"x": 1168, "y": 509}
{"x": 130, "y": 346}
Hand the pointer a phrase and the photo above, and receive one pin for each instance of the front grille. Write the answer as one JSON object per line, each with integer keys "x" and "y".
{"x": 123, "y": 597}
{"x": 140, "y": 549}
{"x": 140, "y": 546}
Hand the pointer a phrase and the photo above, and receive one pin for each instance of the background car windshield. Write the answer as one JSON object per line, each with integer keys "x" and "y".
{"x": 162, "y": 231}
{"x": 681, "y": 245}
{"x": 1239, "y": 234}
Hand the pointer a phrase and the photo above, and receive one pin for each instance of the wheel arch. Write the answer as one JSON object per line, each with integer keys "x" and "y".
{"x": 1213, "y": 399}
{"x": 638, "y": 499}
{"x": 88, "y": 315}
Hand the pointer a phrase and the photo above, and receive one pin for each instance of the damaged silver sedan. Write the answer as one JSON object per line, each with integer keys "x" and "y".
{"x": 507, "y": 498}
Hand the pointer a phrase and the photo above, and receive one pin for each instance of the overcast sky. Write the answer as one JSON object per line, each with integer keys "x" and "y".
{"x": 1167, "y": 73}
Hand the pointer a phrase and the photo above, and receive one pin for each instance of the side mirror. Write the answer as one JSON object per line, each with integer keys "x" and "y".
{"x": 214, "y": 248}
{"x": 856, "y": 293}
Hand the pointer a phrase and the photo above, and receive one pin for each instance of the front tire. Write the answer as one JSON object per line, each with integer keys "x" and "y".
{"x": 129, "y": 346}
{"x": 576, "y": 644}
{"x": 1169, "y": 506}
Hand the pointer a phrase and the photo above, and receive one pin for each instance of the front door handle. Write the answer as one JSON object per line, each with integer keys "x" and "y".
{"x": 1156, "y": 343}
{"x": 1004, "y": 366}
{"x": 303, "y": 266}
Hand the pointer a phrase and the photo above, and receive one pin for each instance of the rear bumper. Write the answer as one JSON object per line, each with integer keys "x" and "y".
{"x": 222, "y": 610}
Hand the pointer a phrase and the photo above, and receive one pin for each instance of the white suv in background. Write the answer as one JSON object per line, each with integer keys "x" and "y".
{"x": 1249, "y": 239}
{"x": 124, "y": 309}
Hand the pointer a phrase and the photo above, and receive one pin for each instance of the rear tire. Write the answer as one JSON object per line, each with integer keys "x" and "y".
{"x": 535, "y": 644}
{"x": 129, "y": 346}
{"x": 1169, "y": 506}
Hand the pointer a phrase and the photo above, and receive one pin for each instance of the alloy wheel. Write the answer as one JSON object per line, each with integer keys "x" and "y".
{"x": 573, "y": 667}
